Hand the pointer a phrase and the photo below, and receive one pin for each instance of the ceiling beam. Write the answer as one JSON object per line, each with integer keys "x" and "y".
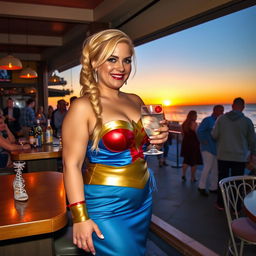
{"x": 24, "y": 56}
{"x": 31, "y": 40}
{"x": 115, "y": 12}
{"x": 172, "y": 17}
{"x": 45, "y": 12}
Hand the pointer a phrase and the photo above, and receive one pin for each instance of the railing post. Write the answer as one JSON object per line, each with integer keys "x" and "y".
{"x": 177, "y": 149}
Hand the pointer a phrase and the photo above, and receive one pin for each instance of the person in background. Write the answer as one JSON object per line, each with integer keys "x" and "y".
{"x": 59, "y": 115}
{"x": 111, "y": 204}
{"x": 7, "y": 143}
{"x": 162, "y": 158}
{"x": 208, "y": 150}
{"x": 190, "y": 147}
{"x": 12, "y": 116}
{"x": 28, "y": 117}
{"x": 50, "y": 111}
{"x": 72, "y": 99}
{"x": 235, "y": 137}
{"x": 41, "y": 116}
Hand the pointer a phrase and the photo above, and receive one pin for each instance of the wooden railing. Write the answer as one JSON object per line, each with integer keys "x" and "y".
{"x": 180, "y": 241}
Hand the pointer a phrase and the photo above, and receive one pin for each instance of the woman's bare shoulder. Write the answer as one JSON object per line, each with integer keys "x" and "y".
{"x": 135, "y": 98}
{"x": 81, "y": 105}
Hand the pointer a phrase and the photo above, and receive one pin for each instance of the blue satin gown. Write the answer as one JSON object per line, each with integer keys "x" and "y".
{"x": 117, "y": 190}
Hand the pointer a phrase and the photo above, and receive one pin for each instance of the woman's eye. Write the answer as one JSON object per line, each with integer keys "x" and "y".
{"x": 113, "y": 60}
{"x": 128, "y": 61}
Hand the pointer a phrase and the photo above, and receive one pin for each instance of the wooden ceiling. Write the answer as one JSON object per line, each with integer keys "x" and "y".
{"x": 53, "y": 31}
{"x": 86, "y": 4}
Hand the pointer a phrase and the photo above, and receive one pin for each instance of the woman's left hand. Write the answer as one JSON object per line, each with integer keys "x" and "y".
{"x": 162, "y": 136}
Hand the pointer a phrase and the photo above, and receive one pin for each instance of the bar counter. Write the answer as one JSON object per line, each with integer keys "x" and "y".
{"x": 43, "y": 213}
{"x": 45, "y": 152}
{"x": 44, "y": 158}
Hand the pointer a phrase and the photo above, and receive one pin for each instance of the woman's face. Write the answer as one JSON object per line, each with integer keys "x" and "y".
{"x": 117, "y": 68}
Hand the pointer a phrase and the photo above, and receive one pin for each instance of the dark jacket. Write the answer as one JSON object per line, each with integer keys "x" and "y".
{"x": 15, "y": 125}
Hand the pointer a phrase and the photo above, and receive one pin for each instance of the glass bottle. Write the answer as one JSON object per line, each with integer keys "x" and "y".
{"x": 38, "y": 134}
{"x": 49, "y": 133}
{"x": 31, "y": 137}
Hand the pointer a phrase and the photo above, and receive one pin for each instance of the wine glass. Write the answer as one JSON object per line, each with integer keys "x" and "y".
{"x": 22, "y": 141}
{"x": 151, "y": 115}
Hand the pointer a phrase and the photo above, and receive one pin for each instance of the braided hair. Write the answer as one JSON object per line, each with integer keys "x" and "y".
{"x": 96, "y": 50}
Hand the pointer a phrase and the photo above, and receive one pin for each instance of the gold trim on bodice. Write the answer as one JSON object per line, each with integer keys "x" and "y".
{"x": 117, "y": 124}
{"x": 133, "y": 175}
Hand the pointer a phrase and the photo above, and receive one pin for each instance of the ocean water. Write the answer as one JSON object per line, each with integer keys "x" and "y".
{"x": 179, "y": 113}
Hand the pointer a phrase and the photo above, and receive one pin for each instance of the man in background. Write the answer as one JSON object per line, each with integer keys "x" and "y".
{"x": 12, "y": 116}
{"x": 59, "y": 115}
{"x": 235, "y": 136}
{"x": 208, "y": 150}
{"x": 28, "y": 117}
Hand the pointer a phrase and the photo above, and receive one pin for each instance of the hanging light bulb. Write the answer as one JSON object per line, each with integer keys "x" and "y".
{"x": 54, "y": 79}
{"x": 9, "y": 62}
{"x": 28, "y": 73}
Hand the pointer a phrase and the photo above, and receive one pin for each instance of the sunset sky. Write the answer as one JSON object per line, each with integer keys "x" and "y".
{"x": 211, "y": 63}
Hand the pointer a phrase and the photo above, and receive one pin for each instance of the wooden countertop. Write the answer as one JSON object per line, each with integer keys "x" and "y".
{"x": 45, "y": 152}
{"x": 44, "y": 212}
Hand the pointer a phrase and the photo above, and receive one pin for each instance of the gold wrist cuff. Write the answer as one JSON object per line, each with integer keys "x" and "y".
{"x": 79, "y": 213}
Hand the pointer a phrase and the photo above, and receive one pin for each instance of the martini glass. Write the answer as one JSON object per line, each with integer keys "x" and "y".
{"x": 151, "y": 115}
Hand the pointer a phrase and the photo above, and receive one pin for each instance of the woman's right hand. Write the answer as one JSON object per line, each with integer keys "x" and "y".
{"x": 82, "y": 235}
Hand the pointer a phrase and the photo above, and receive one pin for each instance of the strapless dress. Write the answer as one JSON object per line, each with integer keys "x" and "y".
{"x": 117, "y": 189}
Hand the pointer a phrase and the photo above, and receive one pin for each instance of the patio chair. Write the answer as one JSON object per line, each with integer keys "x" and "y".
{"x": 234, "y": 189}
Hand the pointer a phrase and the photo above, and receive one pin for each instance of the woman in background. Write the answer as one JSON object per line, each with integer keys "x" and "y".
{"x": 190, "y": 147}
{"x": 7, "y": 143}
{"x": 111, "y": 204}
{"x": 41, "y": 116}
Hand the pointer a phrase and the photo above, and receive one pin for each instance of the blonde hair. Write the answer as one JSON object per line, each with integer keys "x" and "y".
{"x": 96, "y": 50}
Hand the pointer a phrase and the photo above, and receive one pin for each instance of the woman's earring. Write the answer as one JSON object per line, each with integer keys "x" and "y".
{"x": 95, "y": 75}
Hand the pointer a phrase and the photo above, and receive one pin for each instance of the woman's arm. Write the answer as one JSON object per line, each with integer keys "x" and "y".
{"x": 7, "y": 145}
{"x": 76, "y": 129}
{"x": 193, "y": 126}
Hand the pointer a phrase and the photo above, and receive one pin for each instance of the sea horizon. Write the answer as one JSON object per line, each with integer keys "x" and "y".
{"x": 178, "y": 113}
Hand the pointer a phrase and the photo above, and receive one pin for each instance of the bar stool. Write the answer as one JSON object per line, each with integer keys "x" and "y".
{"x": 63, "y": 241}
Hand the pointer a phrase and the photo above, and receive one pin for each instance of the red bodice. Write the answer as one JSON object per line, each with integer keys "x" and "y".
{"x": 118, "y": 140}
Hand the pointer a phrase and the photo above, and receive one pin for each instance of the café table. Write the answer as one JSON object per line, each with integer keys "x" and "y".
{"x": 250, "y": 205}
{"x": 44, "y": 158}
{"x": 26, "y": 228}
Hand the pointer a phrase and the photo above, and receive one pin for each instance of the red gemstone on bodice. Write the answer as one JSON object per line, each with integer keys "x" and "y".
{"x": 118, "y": 140}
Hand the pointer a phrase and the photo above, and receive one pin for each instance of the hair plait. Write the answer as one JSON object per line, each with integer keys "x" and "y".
{"x": 96, "y": 49}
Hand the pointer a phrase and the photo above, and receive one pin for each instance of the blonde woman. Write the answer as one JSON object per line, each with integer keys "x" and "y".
{"x": 111, "y": 203}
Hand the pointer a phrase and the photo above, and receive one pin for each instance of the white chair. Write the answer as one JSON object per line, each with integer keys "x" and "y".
{"x": 234, "y": 189}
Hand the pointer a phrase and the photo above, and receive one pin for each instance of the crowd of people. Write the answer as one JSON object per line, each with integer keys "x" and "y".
{"x": 16, "y": 123}
{"x": 222, "y": 143}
